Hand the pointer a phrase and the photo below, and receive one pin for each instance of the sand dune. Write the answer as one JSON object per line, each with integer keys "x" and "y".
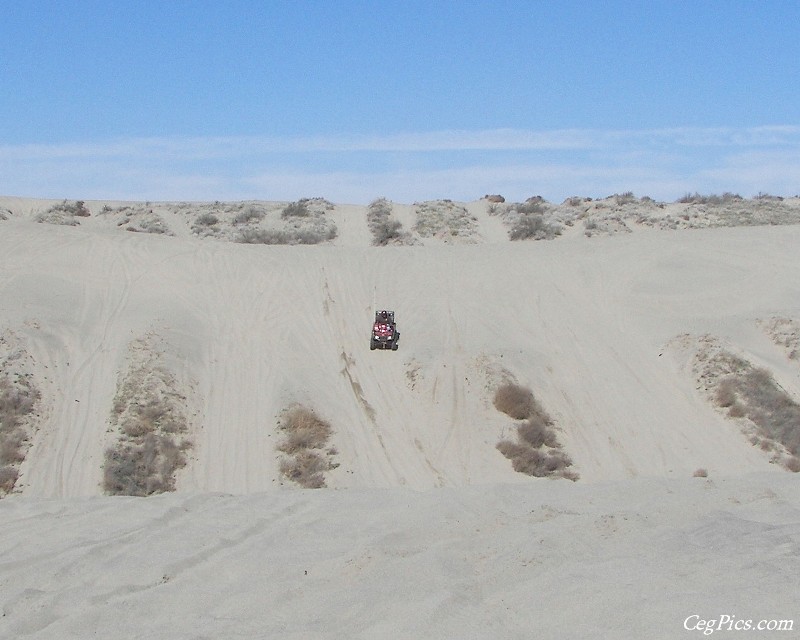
{"x": 425, "y": 529}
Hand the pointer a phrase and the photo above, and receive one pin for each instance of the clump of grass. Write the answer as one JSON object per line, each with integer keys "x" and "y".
{"x": 149, "y": 413}
{"x": 305, "y": 437}
{"x": 536, "y": 451}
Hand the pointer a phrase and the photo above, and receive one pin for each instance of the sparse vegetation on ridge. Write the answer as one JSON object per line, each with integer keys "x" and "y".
{"x": 64, "y": 213}
{"x": 445, "y": 220}
{"x": 696, "y": 198}
{"x": 384, "y": 227}
{"x": 18, "y": 400}
{"x": 281, "y": 236}
{"x": 305, "y": 437}
{"x": 751, "y": 396}
{"x": 526, "y": 220}
{"x": 149, "y": 414}
{"x": 138, "y": 218}
{"x": 536, "y": 451}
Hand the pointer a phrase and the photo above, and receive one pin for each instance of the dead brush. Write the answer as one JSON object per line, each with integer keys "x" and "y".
{"x": 752, "y": 393}
{"x": 305, "y": 435}
{"x": 149, "y": 413}
{"x": 306, "y": 468}
{"x": 515, "y": 401}
{"x": 537, "y": 451}
{"x": 304, "y": 430}
{"x": 18, "y": 400}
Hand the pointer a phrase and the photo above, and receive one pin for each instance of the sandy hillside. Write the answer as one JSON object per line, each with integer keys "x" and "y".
{"x": 191, "y": 329}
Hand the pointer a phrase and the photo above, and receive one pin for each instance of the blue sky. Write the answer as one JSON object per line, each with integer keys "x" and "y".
{"x": 352, "y": 100}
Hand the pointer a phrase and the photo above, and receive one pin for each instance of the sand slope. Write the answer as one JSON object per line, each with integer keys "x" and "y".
{"x": 590, "y": 324}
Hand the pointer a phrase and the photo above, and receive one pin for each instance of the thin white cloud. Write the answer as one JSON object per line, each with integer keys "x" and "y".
{"x": 487, "y": 140}
{"x": 661, "y": 163}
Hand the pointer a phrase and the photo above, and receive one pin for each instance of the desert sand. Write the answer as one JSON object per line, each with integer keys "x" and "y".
{"x": 423, "y": 528}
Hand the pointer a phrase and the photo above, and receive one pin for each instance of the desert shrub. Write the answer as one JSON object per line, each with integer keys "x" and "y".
{"x": 63, "y": 213}
{"x": 726, "y": 394}
{"x": 533, "y": 206}
{"x": 384, "y": 227}
{"x": 305, "y": 435}
{"x": 149, "y": 412}
{"x": 536, "y": 432}
{"x": 11, "y": 443}
{"x": 770, "y": 408}
{"x": 534, "y": 462}
{"x": 249, "y": 214}
{"x": 206, "y": 220}
{"x": 297, "y": 209}
{"x": 515, "y": 401}
{"x": 291, "y": 236}
{"x": 573, "y": 201}
{"x": 766, "y": 196}
{"x": 18, "y": 398}
{"x": 74, "y": 208}
{"x": 143, "y": 468}
{"x": 700, "y": 473}
{"x": 8, "y": 478}
{"x": 752, "y": 393}
{"x": 532, "y": 226}
{"x": 153, "y": 224}
{"x": 304, "y": 430}
{"x": 444, "y": 219}
{"x": 624, "y": 198}
{"x": 306, "y": 468}
{"x": 793, "y": 464}
{"x": 785, "y": 332}
{"x": 696, "y": 198}
{"x": 386, "y": 231}
{"x": 537, "y": 450}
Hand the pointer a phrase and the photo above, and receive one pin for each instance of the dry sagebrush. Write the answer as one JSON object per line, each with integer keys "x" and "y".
{"x": 536, "y": 451}
{"x": 19, "y": 398}
{"x": 752, "y": 395}
{"x": 305, "y": 436}
{"x": 149, "y": 414}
